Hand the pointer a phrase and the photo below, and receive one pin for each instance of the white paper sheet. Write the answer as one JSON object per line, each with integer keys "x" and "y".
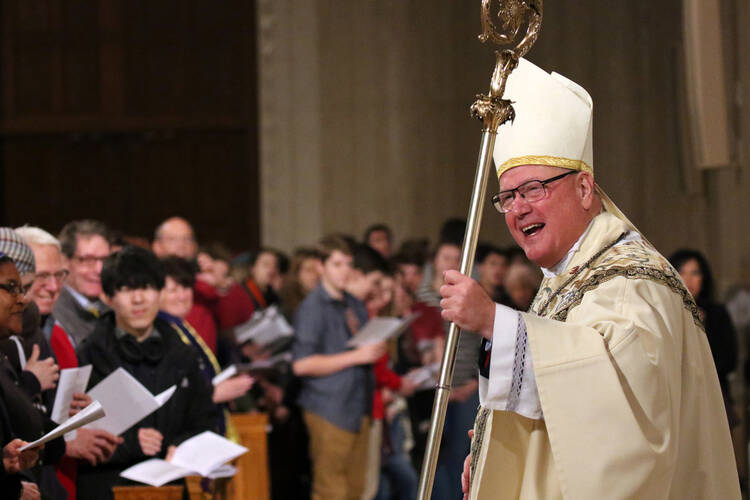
{"x": 206, "y": 454}
{"x": 226, "y": 374}
{"x": 225, "y": 470}
{"x": 380, "y": 329}
{"x": 264, "y": 327}
{"x": 425, "y": 377}
{"x": 164, "y": 396}
{"x": 125, "y": 401}
{"x": 155, "y": 472}
{"x": 71, "y": 380}
{"x": 265, "y": 364}
{"x": 91, "y": 413}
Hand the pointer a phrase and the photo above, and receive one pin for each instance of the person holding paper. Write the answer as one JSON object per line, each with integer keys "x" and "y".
{"x": 337, "y": 383}
{"x": 94, "y": 446}
{"x": 151, "y": 351}
{"x": 369, "y": 270}
{"x": 19, "y": 418}
{"x": 176, "y": 301}
{"x": 29, "y": 352}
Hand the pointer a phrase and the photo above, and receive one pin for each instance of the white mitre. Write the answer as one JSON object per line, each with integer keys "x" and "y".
{"x": 553, "y": 126}
{"x": 553, "y": 123}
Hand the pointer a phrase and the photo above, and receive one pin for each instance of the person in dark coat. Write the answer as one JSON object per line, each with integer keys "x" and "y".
{"x": 722, "y": 338}
{"x": 147, "y": 347}
{"x": 18, "y": 418}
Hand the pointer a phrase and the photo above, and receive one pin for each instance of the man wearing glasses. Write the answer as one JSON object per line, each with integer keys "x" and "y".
{"x": 85, "y": 245}
{"x": 606, "y": 388}
{"x": 50, "y": 272}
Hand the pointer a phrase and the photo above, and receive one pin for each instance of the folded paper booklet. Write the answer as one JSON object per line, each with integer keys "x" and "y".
{"x": 91, "y": 413}
{"x": 264, "y": 328}
{"x": 71, "y": 380}
{"x": 380, "y": 329}
{"x": 271, "y": 365}
{"x": 262, "y": 367}
{"x": 125, "y": 401}
{"x": 425, "y": 377}
{"x": 205, "y": 454}
{"x": 226, "y": 374}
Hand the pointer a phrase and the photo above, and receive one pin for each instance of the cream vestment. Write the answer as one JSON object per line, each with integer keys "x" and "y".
{"x": 628, "y": 391}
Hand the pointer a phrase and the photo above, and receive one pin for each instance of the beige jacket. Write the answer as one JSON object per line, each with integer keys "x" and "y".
{"x": 631, "y": 401}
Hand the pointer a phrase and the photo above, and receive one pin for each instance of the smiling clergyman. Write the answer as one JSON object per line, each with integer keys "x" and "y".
{"x": 606, "y": 388}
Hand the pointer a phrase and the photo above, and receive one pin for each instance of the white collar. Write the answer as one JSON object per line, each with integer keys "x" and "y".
{"x": 81, "y": 299}
{"x": 558, "y": 268}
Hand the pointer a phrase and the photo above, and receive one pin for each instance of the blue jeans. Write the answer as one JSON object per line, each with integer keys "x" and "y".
{"x": 398, "y": 478}
{"x": 459, "y": 419}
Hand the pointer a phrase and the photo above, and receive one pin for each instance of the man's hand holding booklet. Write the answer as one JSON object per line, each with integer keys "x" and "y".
{"x": 381, "y": 329}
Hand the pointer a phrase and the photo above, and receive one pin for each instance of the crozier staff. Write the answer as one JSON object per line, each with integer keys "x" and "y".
{"x": 606, "y": 388}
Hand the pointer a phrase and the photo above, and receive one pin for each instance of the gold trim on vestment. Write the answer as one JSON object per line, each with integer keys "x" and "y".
{"x": 632, "y": 272}
{"x": 550, "y": 161}
{"x": 480, "y": 426}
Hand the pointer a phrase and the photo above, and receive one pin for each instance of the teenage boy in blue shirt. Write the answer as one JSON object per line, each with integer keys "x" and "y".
{"x": 337, "y": 382}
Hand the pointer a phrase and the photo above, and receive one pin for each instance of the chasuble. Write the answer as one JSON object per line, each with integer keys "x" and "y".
{"x": 628, "y": 396}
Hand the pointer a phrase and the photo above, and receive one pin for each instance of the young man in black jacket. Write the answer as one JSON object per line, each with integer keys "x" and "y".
{"x": 150, "y": 350}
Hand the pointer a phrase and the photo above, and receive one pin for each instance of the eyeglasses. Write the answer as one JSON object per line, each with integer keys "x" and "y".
{"x": 89, "y": 260}
{"x": 530, "y": 191}
{"x": 16, "y": 288}
{"x": 59, "y": 276}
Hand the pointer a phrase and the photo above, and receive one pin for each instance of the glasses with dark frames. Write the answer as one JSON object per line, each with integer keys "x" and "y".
{"x": 16, "y": 288}
{"x": 531, "y": 191}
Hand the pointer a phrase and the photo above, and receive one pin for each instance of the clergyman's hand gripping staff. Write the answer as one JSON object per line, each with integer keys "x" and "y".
{"x": 492, "y": 110}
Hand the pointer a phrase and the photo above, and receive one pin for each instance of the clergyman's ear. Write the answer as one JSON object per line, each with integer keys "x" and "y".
{"x": 585, "y": 189}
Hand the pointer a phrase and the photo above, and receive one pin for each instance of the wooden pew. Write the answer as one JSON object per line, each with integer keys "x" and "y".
{"x": 252, "y": 479}
{"x": 147, "y": 492}
{"x": 218, "y": 491}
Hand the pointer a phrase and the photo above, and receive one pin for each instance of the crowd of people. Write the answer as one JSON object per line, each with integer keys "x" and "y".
{"x": 345, "y": 422}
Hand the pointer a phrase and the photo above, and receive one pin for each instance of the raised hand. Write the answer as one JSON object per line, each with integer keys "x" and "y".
{"x": 93, "y": 445}
{"x": 369, "y": 353}
{"x": 233, "y": 388}
{"x": 467, "y": 304}
{"x": 46, "y": 370}
{"x": 465, "y": 475}
{"x": 79, "y": 402}
{"x": 150, "y": 441}
{"x": 15, "y": 461}
{"x": 29, "y": 491}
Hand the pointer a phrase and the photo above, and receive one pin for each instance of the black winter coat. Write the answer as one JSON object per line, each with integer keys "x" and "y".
{"x": 188, "y": 412}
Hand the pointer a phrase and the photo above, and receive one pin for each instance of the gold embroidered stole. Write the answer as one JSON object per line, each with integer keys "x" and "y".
{"x": 604, "y": 254}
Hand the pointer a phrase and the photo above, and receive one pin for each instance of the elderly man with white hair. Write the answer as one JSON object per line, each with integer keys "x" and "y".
{"x": 606, "y": 388}
{"x": 50, "y": 272}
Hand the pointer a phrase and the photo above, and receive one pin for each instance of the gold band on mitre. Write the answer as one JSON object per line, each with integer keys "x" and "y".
{"x": 546, "y": 160}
